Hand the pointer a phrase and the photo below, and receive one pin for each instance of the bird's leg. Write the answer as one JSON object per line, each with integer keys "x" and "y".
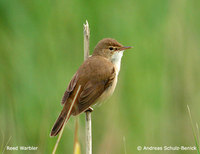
{"x": 89, "y": 109}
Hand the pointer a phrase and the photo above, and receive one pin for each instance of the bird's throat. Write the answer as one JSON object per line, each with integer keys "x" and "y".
{"x": 116, "y": 60}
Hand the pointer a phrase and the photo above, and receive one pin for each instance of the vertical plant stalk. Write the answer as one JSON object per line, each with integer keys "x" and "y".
{"x": 198, "y": 134}
{"x": 124, "y": 140}
{"x": 193, "y": 130}
{"x": 68, "y": 114}
{"x": 77, "y": 147}
{"x": 86, "y": 40}
{"x": 88, "y": 112}
{"x": 88, "y": 132}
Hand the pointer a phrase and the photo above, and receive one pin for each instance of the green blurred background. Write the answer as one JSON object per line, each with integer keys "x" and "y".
{"x": 41, "y": 47}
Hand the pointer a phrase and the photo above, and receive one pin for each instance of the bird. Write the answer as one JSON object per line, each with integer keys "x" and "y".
{"x": 97, "y": 78}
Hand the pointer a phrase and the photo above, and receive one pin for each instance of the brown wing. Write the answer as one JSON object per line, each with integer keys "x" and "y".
{"x": 70, "y": 88}
{"x": 93, "y": 83}
{"x": 92, "y": 90}
{"x": 98, "y": 80}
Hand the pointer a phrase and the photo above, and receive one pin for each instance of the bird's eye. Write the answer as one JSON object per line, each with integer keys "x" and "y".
{"x": 111, "y": 48}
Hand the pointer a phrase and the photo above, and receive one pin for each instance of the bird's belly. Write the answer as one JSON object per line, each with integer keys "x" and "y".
{"x": 108, "y": 92}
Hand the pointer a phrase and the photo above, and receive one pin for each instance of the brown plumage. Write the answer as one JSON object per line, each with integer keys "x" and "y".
{"x": 97, "y": 77}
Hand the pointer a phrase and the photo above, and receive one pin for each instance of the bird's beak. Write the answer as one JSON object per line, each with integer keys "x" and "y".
{"x": 125, "y": 48}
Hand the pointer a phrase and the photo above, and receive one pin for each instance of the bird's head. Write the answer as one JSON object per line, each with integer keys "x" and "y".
{"x": 110, "y": 49}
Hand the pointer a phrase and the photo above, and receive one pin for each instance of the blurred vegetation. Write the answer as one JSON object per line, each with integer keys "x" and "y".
{"x": 41, "y": 47}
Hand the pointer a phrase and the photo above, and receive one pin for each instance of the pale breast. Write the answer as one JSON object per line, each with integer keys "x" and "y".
{"x": 116, "y": 60}
{"x": 109, "y": 91}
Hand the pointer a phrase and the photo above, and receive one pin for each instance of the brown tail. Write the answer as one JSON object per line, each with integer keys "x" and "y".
{"x": 60, "y": 121}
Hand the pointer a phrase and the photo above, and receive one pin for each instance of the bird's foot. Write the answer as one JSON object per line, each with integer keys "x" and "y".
{"x": 89, "y": 109}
